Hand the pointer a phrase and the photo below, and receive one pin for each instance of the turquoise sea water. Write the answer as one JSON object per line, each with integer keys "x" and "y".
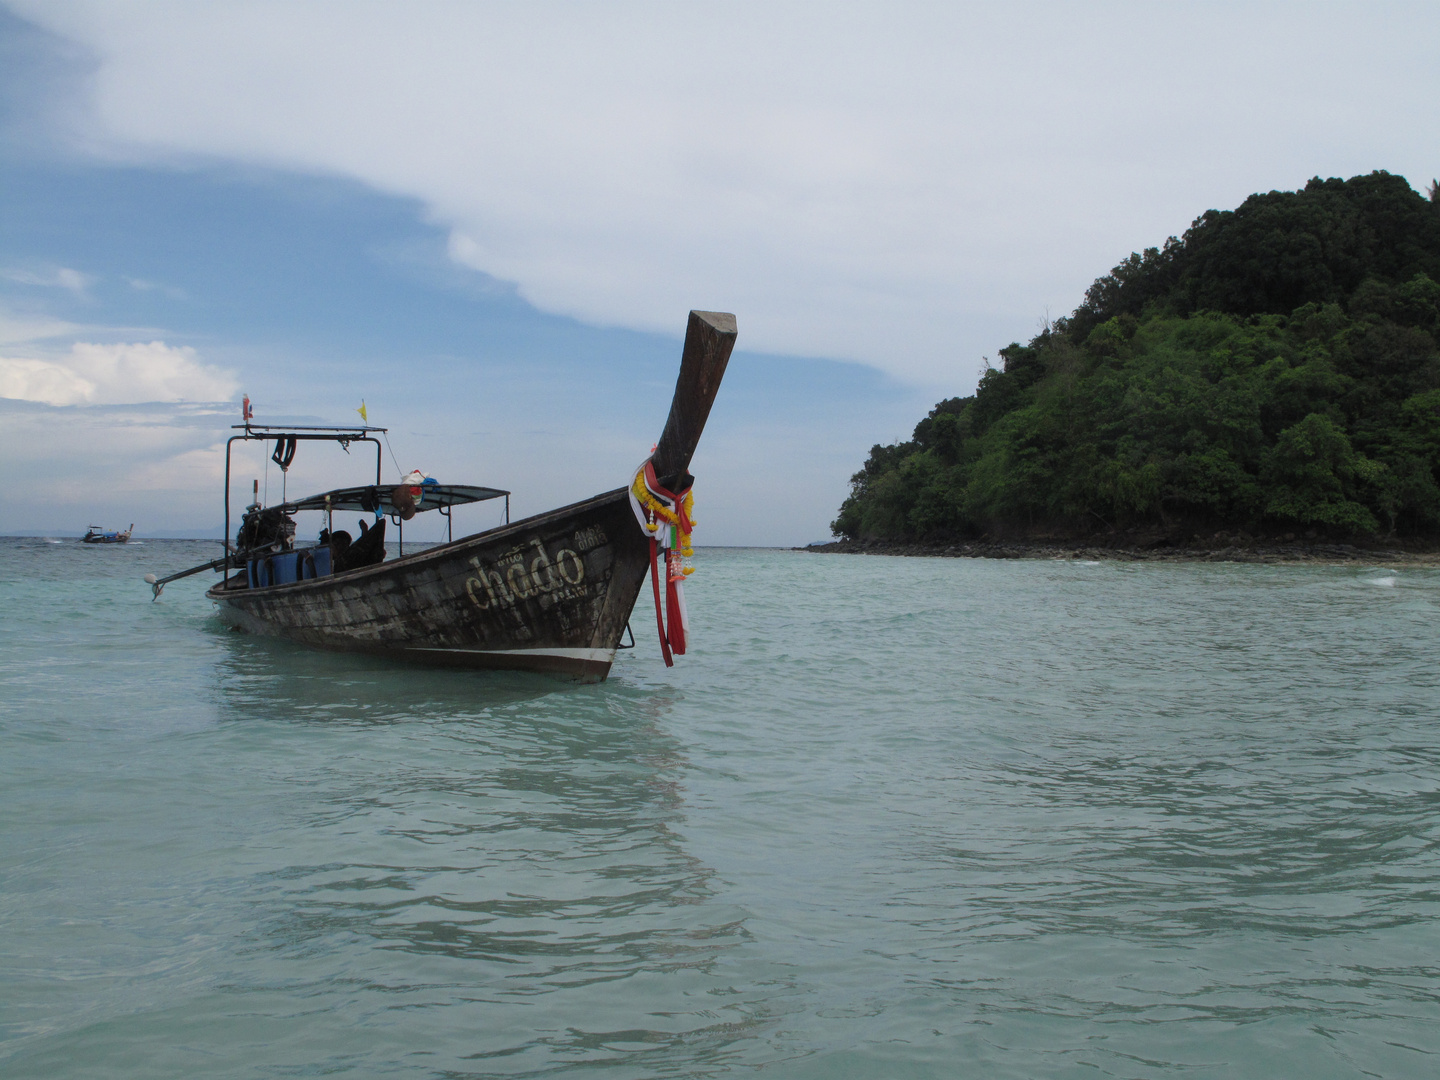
{"x": 891, "y": 818}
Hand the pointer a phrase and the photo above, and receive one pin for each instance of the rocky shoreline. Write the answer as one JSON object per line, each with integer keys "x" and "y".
{"x": 1255, "y": 551}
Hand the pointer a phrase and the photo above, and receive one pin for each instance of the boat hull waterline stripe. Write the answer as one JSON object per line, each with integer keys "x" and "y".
{"x": 604, "y": 656}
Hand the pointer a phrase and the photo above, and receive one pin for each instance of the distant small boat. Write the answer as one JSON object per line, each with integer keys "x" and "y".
{"x": 99, "y": 535}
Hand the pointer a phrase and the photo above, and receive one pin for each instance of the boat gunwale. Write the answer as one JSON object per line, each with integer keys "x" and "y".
{"x": 220, "y": 590}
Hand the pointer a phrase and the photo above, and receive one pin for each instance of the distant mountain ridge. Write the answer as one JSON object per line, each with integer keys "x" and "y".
{"x": 1272, "y": 371}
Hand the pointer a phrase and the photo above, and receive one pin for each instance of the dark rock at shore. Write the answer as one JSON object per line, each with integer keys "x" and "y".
{"x": 1253, "y": 551}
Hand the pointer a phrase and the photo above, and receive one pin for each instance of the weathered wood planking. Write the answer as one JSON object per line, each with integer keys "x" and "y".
{"x": 549, "y": 593}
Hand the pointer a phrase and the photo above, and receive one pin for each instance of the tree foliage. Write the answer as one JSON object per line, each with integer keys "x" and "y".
{"x": 1273, "y": 369}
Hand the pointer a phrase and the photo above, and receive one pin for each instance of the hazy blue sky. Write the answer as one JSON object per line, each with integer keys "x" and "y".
{"x": 489, "y": 221}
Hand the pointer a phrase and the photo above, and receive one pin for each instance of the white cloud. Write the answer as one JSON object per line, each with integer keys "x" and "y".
{"x": 900, "y": 184}
{"x": 115, "y": 374}
{"x": 43, "y": 381}
{"x": 157, "y": 465}
{"x": 60, "y": 277}
{"x": 15, "y": 329}
{"x": 141, "y": 285}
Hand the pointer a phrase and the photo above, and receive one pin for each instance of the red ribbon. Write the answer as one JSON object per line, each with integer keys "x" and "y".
{"x": 675, "y": 623}
{"x": 669, "y": 622}
{"x": 659, "y": 616}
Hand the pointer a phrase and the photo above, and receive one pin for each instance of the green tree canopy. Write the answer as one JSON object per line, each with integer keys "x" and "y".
{"x": 1275, "y": 368}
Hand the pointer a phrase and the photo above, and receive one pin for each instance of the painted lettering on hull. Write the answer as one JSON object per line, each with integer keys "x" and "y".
{"x": 531, "y": 571}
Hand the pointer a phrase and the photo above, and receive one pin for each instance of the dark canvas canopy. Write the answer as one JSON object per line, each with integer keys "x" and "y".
{"x": 371, "y": 498}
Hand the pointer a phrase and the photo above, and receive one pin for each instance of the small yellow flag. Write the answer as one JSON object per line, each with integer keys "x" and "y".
{"x": 361, "y": 410}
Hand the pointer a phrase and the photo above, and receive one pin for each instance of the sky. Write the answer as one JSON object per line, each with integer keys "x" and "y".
{"x": 488, "y": 221}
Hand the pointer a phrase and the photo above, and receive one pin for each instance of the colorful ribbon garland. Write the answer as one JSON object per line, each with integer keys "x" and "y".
{"x": 665, "y": 517}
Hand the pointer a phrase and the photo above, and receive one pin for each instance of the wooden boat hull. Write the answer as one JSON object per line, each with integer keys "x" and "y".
{"x": 550, "y": 593}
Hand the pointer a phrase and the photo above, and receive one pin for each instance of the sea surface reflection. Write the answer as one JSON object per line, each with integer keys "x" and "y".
{"x": 503, "y": 847}
{"x": 891, "y": 818}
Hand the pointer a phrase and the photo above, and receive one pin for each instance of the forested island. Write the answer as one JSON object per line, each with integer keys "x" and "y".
{"x": 1270, "y": 375}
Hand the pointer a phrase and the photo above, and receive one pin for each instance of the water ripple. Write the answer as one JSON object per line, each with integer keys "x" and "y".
{"x": 891, "y": 818}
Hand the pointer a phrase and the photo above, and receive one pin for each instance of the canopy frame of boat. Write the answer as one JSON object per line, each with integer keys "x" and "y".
{"x": 441, "y": 497}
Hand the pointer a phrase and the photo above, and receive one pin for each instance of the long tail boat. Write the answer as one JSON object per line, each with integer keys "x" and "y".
{"x": 98, "y": 534}
{"x": 551, "y": 593}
